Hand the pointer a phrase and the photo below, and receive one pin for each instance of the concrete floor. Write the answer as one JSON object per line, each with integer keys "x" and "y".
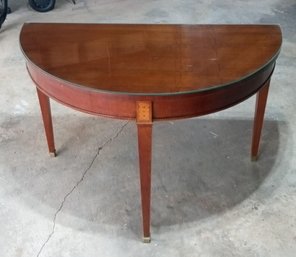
{"x": 208, "y": 198}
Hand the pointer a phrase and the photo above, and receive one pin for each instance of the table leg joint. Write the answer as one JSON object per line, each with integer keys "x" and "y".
{"x": 144, "y": 112}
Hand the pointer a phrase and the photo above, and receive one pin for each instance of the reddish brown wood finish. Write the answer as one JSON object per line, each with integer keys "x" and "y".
{"x": 47, "y": 121}
{"x": 145, "y": 148}
{"x": 144, "y": 125}
{"x": 164, "y": 106}
{"x": 150, "y": 59}
{"x": 261, "y": 100}
{"x": 150, "y": 72}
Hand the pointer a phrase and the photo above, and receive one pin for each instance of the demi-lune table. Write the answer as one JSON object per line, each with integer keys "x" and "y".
{"x": 148, "y": 73}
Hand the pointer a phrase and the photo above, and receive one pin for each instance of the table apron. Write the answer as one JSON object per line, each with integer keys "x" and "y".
{"x": 123, "y": 106}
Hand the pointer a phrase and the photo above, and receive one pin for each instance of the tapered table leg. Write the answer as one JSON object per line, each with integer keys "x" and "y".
{"x": 47, "y": 121}
{"x": 261, "y": 99}
{"x": 144, "y": 126}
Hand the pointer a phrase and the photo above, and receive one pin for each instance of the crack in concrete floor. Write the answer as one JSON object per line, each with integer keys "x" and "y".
{"x": 79, "y": 182}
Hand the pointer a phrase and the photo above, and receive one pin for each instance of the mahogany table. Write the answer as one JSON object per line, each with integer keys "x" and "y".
{"x": 148, "y": 73}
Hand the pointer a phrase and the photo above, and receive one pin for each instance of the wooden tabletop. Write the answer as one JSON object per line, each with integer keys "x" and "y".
{"x": 150, "y": 59}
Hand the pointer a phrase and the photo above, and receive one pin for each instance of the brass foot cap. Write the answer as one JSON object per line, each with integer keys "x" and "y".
{"x": 147, "y": 239}
{"x": 53, "y": 154}
{"x": 254, "y": 158}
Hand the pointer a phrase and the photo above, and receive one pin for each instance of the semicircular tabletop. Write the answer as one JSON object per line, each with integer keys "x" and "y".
{"x": 150, "y": 59}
